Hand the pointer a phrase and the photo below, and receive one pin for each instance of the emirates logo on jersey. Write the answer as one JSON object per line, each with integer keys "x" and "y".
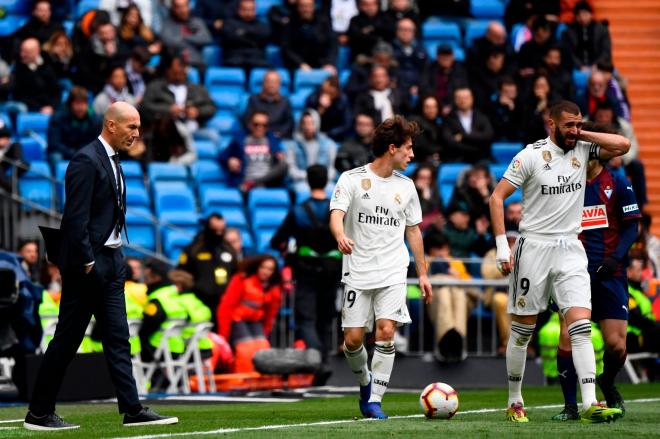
{"x": 594, "y": 217}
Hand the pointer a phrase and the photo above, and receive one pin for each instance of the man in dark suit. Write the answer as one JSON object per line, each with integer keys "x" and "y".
{"x": 466, "y": 132}
{"x": 93, "y": 273}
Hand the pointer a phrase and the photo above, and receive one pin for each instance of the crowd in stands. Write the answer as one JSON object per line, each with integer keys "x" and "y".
{"x": 370, "y": 59}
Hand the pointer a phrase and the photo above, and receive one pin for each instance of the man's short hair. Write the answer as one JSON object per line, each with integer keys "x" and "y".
{"x": 158, "y": 267}
{"x": 540, "y": 23}
{"x": 582, "y": 6}
{"x": 255, "y": 112}
{"x": 317, "y": 177}
{"x": 77, "y": 93}
{"x": 394, "y": 131}
{"x": 605, "y": 66}
{"x": 140, "y": 54}
{"x": 563, "y": 107}
{"x": 507, "y": 80}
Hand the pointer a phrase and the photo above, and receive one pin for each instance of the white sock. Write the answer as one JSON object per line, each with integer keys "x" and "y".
{"x": 584, "y": 360}
{"x": 381, "y": 368}
{"x": 357, "y": 361}
{"x": 516, "y": 356}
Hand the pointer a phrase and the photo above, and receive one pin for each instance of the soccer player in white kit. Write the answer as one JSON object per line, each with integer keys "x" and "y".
{"x": 549, "y": 260}
{"x": 372, "y": 208}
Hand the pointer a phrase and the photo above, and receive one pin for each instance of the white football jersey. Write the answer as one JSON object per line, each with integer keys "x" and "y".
{"x": 377, "y": 213}
{"x": 553, "y": 185}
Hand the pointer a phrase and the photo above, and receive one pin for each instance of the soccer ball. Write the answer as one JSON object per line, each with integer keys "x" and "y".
{"x": 439, "y": 401}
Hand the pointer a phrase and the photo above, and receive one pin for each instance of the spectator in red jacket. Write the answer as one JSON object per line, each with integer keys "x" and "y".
{"x": 248, "y": 308}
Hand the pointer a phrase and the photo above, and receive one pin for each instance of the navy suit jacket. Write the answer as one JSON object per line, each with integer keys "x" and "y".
{"x": 91, "y": 210}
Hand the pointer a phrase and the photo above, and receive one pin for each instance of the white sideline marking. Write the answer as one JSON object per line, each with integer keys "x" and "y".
{"x": 8, "y": 428}
{"x": 225, "y": 399}
{"x": 11, "y": 421}
{"x": 343, "y": 421}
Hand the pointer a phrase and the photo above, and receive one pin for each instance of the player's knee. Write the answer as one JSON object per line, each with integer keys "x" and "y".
{"x": 616, "y": 345}
{"x": 521, "y": 334}
{"x": 385, "y": 331}
{"x": 353, "y": 341}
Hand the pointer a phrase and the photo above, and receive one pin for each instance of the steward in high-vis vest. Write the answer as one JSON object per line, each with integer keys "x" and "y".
{"x": 211, "y": 261}
{"x": 196, "y": 310}
{"x": 163, "y": 309}
{"x": 49, "y": 310}
{"x": 316, "y": 264}
{"x": 643, "y": 329}
{"x": 248, "y": 309}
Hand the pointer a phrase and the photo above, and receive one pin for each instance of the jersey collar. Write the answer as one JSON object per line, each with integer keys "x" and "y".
{"x": 553, "y": 146}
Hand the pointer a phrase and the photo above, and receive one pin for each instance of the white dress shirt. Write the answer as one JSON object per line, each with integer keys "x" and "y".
{"x": 466, "y": 120}
{"x": 114, "y": 241}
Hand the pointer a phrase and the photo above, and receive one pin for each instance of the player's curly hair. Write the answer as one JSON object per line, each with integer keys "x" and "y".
{"x": 393, "y": 131}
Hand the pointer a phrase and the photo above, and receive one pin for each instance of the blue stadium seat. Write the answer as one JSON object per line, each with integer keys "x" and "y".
{"x": 212, "y": 55}
{"x": 208, "y": 171}
{"x": 343, "y": 58}
{"x": 308, "y": 80}
{"x": 86, "y": 5}
{"x": 263, "y": 240}
{"x": 263, "y": 6}
{"x": 35, "y": 186}
{"x": 498, "y": 170}
{"x": 220, "y": 197}
{"x": 174, "y": 197}
{"x": 225, "y": 78}
{"x": 450, "y": 172}
{"x": 174, "y": 241}
{"x": 206, "y": 149}
{"x": 136, "y": 193}
{"x": 167, "y": 172}
{"x": 274, "y": 56}
{"x": 580, "y": 79}
{"x": 268, "y": 218}
{"x": 257, "y": 77}
{"x": 27, "y": 123}
{"x": 224, "y": 122}
{"x": 266, "y": 197}
{"x": 442, "y": 32}
{"x": 233, "y": 101}
{"x": 410, "y": 169}
{"x": 248, "y": 242}
{"x": 60, "y": 174}
{"x": 475, "y": 29}
{"x": 299, "y": 98}
{"x": 11, "y": 23}
{"x": 234, "y": 216}
{"x": 487, "y": 9}
{"x": 18, "y": 7}
{"x": 33, "y": 149}
{"x": 446, "y": 192}
{"x": 132, "y": 170}
{"x": 141, "y": 228}
{"x": 503, "y": 152}
{"x": 344, "y": 75}
{"x": 192, "y": 74}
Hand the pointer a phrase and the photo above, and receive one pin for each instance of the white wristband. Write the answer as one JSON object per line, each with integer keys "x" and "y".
{"x": 503, "y": 250}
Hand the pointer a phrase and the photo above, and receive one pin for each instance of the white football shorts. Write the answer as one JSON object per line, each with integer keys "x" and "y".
{"x": 361, "y": 308}
{"x": 547, "y": 267}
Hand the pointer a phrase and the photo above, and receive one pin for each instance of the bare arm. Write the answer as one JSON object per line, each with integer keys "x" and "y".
{"x": 344, "y": 244}
{"x": 611, "y": 145}
{"x": 502, "y": 191}
{"x": 414, "y": 237}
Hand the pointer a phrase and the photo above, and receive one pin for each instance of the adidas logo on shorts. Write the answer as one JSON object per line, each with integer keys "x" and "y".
{"x": 366, "y": 196}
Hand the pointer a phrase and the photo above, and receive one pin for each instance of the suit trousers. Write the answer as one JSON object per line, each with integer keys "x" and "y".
{"x": 99, "y": 293}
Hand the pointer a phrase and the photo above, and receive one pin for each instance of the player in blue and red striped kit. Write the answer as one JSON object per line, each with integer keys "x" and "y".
{"x": 609, "y": 227}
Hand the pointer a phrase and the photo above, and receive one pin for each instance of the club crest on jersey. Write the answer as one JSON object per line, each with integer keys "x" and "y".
{"x": 397, "y": 198}
{"x": 337, "y": 193}
{"x": 594, "y": 217}
{"x": 521, "y": 302}
{"x": 515, "y": 165}
{"x": 575, "y": 163}
{"x": 547, "y": 156}
{"x": 365, "y": 183}
{"x": 608, "y": 192}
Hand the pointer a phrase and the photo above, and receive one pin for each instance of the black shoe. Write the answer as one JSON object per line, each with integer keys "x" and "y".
{"x": 570, "y": 413}
{"x": 613, "y": 398}
{"x": 50, "y": 422}
{"x": 146, "y": 416}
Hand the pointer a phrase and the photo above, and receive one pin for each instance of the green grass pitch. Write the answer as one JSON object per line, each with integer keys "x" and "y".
{"x": 337, "y": 417}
